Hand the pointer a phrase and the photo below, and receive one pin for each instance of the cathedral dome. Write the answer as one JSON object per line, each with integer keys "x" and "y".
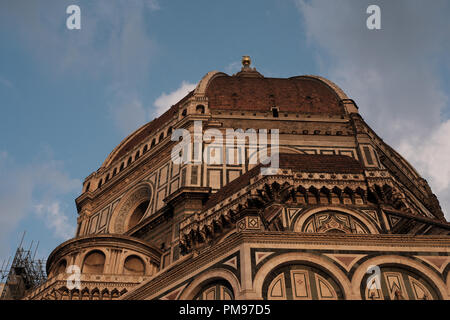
{"x": 151, "y": 227}
{"x": 297, "y": 94}
{"x": 248, "y": 90}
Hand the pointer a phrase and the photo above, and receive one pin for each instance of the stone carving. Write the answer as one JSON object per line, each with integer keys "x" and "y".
{"x": 142, "y": 193}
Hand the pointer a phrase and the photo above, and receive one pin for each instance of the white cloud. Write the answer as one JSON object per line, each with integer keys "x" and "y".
{"x": 114, "y": 43}
{"x": 113, "y": 39}
{"x": 22, "y": 187}
{"x": 129, "y": 112}
{"x": 393, "y": 74}
{"x": 432, "y": 156}
{"x": 55, "y": 219}
{"x": 166, "y": 100}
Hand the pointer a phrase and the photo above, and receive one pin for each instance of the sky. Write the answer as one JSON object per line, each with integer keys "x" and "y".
{"x": 68, "y": 97}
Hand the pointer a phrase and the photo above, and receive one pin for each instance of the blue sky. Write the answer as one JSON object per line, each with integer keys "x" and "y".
{"x": 68, "y": 97}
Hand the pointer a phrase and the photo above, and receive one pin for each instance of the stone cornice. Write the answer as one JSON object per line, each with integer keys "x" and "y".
{"x": 293, "y": 177}
{"x": 187, "y": 192}
{"x": 445, "y": 225}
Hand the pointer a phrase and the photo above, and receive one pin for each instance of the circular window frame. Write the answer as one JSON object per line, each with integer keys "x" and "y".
{"x": 128, "y": 204}
{"x": 133, "y": 211}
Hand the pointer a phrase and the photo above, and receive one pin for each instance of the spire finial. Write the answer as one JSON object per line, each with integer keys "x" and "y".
{"x": 246, "y": 70}
{"x": 246, "y": 61}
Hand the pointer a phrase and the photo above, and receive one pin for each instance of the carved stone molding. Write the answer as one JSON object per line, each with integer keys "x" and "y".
{"x": 129, "y": 202}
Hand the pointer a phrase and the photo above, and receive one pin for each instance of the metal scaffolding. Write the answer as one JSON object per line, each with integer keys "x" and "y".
{"x": 23, "y": 274}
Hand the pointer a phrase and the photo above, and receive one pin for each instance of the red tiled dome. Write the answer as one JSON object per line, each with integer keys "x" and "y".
{"x": 248, "y": 90}
{"x": 302, "y": 95}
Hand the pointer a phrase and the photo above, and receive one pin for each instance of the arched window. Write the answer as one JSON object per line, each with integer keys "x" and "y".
{"x": 161, "y": 136}
{"x": 122, "y": 165}
{"x": 114, "y": 172}
{"x": 88, "y": 186}
{"x": 184, "y": 113}
{"x": 107, "y": 178}
{"x": 61, "y": 268}
{"x": 397, "y": 282}
{"x": 138, "y": 213}
{"x": 217, "y": 290}
{"x": 100, "y": 183}
{"x": 169, "y": 131}
{"x": 134, "y": 265}
{"x": 300, "y": 282}
{"x": 129, "y": 161}
{"x": 145, "y": 149}
{"x": 153, "y": 143}
{"x": 94, "y": 262}
{"x": 137, "y": 155}
{"x": 200, "y": 109}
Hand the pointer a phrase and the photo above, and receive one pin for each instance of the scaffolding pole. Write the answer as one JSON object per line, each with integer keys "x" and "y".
{"x": 23, "y": 274}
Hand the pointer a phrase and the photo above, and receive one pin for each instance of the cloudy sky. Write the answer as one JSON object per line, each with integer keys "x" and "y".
{"x": 68, "y": 97}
